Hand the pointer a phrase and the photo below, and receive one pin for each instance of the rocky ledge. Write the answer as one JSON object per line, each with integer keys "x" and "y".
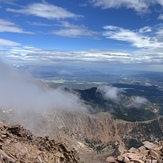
{"x": 18, "y": 145}
{"x": 150, "y": 152}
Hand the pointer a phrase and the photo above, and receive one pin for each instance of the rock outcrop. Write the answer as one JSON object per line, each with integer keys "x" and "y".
{"x": 150, "y": 152}
{"x": 90, "y": 134}
{"x": 18, "y": 145}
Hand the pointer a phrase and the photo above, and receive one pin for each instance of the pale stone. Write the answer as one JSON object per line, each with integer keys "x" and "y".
{"x": 60, "y": 155}
{"x": 2, "y": 124}
{"x": 134, "y": 155}
{"x": 111, "y": 160}
{"x": 120, "y": 158}
{"x": 161, "y": 150}
{"x": 143, "y": 150}
{"x": 151, "y": 161}
{"x": 133, "y": 150}
{"x": 149, "y": 153}
{"x": 124, "y": 154}
{"x": 2, "y": 153}
{"x": 154, "y": 154}
{"x": 3, "y": 136}
{"x": 137, "y": 161}
{"x": 144, "y": 158}
{"x": 121, "y": 149}
{"x": 126, "y": 160}
{"x": 149, "y": 145}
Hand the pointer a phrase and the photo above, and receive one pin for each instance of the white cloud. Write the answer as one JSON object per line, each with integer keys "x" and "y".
{"x": 45, "y": 10}
{"x": 4, "y": 42}
{"x": 20, "y": 92}
{"x": 160, "y": 17}
{"x": 109, "y": 92}
{"x": 7, "y": 26}
{"x": 40, "y": 24}
{"x": 145, "y": 29}
{"x": 8, "y": 1}
{"x": 32, "y": 55}
{"x": 66, "y": 29}
{"x": 137, "y": 39}
{"x": 140, "y": 100}
{"x": 42, "y": 56}
{"x": 64, "y": 72}
{"x": 71, "y": 30}
{"x": 146, "y": 53}
{"x": 140, "y": 6}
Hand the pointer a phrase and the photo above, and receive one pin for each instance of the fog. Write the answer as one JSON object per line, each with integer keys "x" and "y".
{"x": 18, "y": 91}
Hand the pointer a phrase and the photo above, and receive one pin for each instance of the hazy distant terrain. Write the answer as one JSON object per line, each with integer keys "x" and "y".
{"x": 138, "y": 95}
{"x": 85, "y": 78}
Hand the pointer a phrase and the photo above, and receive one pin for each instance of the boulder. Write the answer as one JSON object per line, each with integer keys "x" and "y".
{"x": 149, "y": 145}
{"x": 110, "y": 160}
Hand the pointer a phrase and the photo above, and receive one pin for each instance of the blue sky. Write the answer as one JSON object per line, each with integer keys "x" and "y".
{"x": 92, "y": 33}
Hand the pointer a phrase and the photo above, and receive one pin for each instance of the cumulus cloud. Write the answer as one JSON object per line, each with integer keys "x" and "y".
{"x": 21, "y": 93}
{"x": 140, "y": 6}
{"x": 45, "y": 10}
{"x": 110, "y": 93}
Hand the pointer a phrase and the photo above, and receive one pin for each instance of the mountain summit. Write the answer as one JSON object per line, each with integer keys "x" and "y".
{"x": 18, "y": 145}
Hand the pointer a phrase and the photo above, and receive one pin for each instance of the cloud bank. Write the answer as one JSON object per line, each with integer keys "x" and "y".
{"x": 20, "y": 92}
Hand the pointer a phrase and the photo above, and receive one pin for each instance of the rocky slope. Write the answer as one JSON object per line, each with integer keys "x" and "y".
{"x": 18, "y": 145}
{"x": 94, "y": 136}
{"x": 151, "y": 152}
